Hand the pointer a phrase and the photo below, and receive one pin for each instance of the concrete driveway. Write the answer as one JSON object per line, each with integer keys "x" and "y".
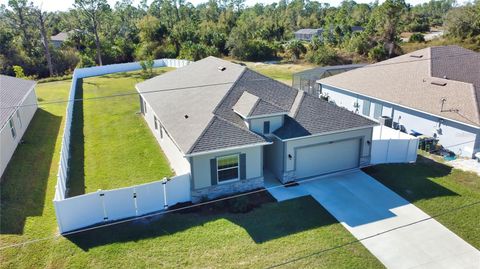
{"x": 398, "y": 233}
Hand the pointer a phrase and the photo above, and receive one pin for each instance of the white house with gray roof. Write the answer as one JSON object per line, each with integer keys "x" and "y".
{"x": 18, "y": 104}
{"x": 225, "y": 124}
{"x": 434, "y": 92}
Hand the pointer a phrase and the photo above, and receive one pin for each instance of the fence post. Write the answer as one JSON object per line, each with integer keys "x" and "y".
{"x": 59, "y": 217}
{"x": 164, "y": 183}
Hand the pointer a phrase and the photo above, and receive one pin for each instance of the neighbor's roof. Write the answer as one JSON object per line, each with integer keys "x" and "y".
{"x": 420, "y": 80}
{"x": 309, "y": 31}
{"x": 199, "y": 113}
{"x": 62, "y": 36}
{"x": 12, "y": 92}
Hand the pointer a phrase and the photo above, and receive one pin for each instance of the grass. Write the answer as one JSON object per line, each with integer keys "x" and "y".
{"x": 114, "y": 147}
{"x": 440, "y": 191}
{"x": 299, "y": 232}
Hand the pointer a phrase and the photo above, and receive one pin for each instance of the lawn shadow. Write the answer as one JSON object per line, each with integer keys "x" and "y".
{"x": 76, "y": 182}
{"x": 24, "y": 182}
{"x": 268, "y": 222}
{"x": 414, "y": 181}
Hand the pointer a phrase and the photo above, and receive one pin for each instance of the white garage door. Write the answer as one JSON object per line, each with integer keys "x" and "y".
{"x": 327, "y": 158}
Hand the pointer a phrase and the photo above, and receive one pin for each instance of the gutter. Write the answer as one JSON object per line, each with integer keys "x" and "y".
{"x": 225, "y": 149}
{"x": 395, "y": 104}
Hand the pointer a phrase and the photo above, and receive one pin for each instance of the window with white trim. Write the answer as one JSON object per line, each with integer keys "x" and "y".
{"x": 12, "y": 128}
{"x": 155, "y": 122}
{"x": 19, "y": 119}
{"x": 227, "y": 168}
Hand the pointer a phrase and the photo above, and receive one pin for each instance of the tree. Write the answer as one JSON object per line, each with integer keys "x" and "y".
{"x": 388, "y": 19}
{"x": 464, "y": 22}
{"x": 41, "y": 17}
{"x": 93, "y": 13}
{"x": 295, "y": 47}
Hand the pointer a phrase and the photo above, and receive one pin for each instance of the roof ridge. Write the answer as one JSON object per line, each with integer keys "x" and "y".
{"x": 229, "y": 91}
{"x": 239, "y": 127}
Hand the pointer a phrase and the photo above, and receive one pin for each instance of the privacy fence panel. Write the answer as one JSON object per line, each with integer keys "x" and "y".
{"x": 150, "y": 197}
{"x": 79, "y": 212}
{"x": 392, "y": 146}
{"x": 119, "y": 204}
{"x": 178, "y": 190}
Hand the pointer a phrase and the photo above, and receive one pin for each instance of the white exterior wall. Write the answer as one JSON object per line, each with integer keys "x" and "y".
{"x": 177, "y": 161}
{"x": 201, "y": 165}
{"x": 256, "y": 125}
{"x": 364, "y": 134}
{"x": 460, "y": 138}
{"x": 7, "y": 142}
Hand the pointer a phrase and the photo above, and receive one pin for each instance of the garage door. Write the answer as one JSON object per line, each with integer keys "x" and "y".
{"x": 327, "y": 158}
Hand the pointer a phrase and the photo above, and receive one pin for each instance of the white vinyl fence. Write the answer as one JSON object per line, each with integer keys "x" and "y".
{"x": 112, "y": 205}
{"x": 392, "y": 146}
{"x": 63, "y": 169}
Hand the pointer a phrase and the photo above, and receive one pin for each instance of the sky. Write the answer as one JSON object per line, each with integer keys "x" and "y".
{"x": 62, "y": 5}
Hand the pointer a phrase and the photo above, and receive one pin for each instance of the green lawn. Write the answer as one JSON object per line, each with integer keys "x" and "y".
{"x": 439, "y": 190}
{"x": 114, "y": 147}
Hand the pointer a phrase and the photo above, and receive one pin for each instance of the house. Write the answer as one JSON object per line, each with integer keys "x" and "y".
{"x": 307, "y": 34}
{"x": 225, "y": 124}
{"x": 58, "y": 39}
{"x": 433, "y": 91}
{"x": 18, "y": 104}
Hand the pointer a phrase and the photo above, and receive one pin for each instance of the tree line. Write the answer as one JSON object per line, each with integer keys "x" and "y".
{"x": 101, "y": 34}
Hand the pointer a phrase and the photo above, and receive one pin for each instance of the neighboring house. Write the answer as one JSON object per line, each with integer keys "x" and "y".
{"x": 225, "y": 124}
{"x": 307, "y": 34}
{"x": 18, "y": 104}
{"x": 58, "y": 39}
{"x": 433, "y": 91}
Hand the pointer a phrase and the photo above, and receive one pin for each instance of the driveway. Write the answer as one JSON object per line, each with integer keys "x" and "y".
{"x": 398, "y": 233}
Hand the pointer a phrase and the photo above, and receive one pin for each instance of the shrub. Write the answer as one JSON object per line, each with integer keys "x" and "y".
{"x": 324, "y": 55}
{"x": 18, "y": 71}
{"x": 378, "y": 53}
{"x": 417, "y": 37}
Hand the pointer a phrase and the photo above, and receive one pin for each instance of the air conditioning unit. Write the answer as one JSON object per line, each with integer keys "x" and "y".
{"x": 385, "y": 120}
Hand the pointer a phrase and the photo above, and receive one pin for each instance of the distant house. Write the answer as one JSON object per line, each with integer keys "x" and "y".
{"x": 433, "y": 91}
{"x": 308, "y": 34}
{"x": 58, "y": 39}
{"x": 18, "y": 104}
{"x": 224, "y": 124}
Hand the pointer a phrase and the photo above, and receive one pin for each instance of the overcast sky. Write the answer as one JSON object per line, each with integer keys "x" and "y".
{"x": 54, "y": 5}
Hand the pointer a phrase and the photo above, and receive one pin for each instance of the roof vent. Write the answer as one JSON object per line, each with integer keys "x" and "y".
{"x": 416, "y": 56}
{"x": 438, "y": 83}
{"x": 186, "y": 116}
{"x": 221, "y": 68}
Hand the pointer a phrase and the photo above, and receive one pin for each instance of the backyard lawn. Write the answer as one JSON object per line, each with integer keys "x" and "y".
{"x": 114, "y": 147}
{"x": 281, "y": 72}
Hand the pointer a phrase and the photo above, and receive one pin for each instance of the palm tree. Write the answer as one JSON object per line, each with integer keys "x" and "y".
{"x": 295, "y": 47}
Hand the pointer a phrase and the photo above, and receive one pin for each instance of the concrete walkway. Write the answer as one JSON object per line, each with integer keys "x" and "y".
{"x": 398, "y": 233}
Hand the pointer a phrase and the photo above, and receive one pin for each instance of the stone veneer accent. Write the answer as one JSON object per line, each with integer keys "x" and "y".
{"x": 288, "y": 176}
{"x": 225, "y": 189}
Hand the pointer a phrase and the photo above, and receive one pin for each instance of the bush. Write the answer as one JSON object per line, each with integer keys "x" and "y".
{"x": 324, "y": 55}
{"x": 252, "y": 50}
{"x": 18, "y": 71}
{"x": 196, "y": 51}
{"x": 417, "y": 37}
{"x": 378, "y": 53}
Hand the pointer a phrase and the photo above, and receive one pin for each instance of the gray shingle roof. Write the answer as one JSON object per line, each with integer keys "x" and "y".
{"x": 212, "y": 123}
{"x": 315, "y": 116}
{"x": 407, "y": 80}
{"x": 12, "y": 92}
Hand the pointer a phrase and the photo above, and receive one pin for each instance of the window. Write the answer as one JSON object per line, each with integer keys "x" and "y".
{"x": 12, "y": 128}
{"x": 227, "y": 168}
{"x": 155, "y": 121}
{"x": 266, "y": 127}
{"x": 377, "y": 113}
{"x": 19, "y": 119}
{"x": 161, "y": 132}
{"x": 144, "y": 107}
{"x": 366, "y": 108}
